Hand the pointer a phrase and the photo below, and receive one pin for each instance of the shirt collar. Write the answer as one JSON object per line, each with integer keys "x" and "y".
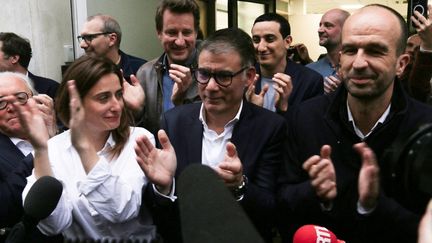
{"x": 15, "y": 140}
{"x": 202, "y": 117}
{"x": 358, "y": 131}
{"x": 110, "y": 143}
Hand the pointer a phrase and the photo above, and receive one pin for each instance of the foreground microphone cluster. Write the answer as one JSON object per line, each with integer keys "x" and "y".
{"x": 315, "y": 234}
{"x": 40, "y": 202}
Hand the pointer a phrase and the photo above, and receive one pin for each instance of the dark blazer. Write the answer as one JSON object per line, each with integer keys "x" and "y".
{"x": 306, "y": 82}
{"x": 129, "y": 64}
{"x": 324, "y": 120}
{"x": 44, "y": 85}
{"x": 258, "y": 136}
{"x": 14, "y": 169}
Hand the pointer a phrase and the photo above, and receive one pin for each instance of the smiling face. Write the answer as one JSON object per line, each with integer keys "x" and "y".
{"x": 330, "y": 27}
{"x": 103, "y": 104}
{"x": 101, "y": 44}
{"x": 9, "y": 123}
{"x": 270, "y": 46}
{"x": 178, "y": 36}
{"x": 369, "y": 61}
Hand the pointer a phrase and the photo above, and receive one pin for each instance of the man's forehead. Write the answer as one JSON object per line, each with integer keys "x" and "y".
{"x": 10, "y": 85}
{"x": 93, "y": 25}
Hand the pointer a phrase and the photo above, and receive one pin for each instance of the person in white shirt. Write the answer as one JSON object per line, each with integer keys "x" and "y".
{"x": 94, "y": 160}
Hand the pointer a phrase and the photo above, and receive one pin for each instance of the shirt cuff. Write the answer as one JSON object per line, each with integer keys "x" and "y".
{"x": 423, "y": 50}
{"x": 363, "y": 211}
{"x": 170, "y": 196}
{"x": 326, "y": 207}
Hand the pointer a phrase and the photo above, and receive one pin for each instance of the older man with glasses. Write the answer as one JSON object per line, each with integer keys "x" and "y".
{"x": 242, "y": 142}
{"x": 16, "y": 161}
{"x": 101, "y": 36}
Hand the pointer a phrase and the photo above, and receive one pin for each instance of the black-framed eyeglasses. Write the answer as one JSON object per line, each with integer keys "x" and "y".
{"x": 88, "y": 38}
{"x": 223, "y": 78}
{"x": 21, "y": 98}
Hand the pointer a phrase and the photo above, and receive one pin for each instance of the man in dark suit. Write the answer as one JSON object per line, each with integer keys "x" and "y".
{"x": 242, "y": 142}
{"x": 282, "y": 83}
{"x": 16, "y": 161}
{"x": 333, "y": 179}
{"x": 15, "y": 55}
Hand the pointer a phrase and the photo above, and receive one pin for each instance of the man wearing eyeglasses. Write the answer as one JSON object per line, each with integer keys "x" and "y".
{"x": 242, "y": 142}
{"x": 167, "y": 80}
{"x": 101, "y": 36}
{"x": 15, "y": 55}
{"x": 16, "y": 162}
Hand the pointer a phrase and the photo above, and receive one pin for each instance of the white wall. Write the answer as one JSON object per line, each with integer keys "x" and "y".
{"x": 46, "y": 24}
{"x": 136, "y": 19}
{"x": 304, "y": 30}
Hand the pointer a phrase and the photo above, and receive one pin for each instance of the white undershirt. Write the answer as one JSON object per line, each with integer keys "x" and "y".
{"x": 23, "y": 145}
{"x": 358, "y": 131}
{"x": 213, "y": 144}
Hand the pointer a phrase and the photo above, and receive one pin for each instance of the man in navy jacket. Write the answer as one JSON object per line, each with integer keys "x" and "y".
{"x": 16, "y": 161}
{"x": 242, "y": 142}
{"x": 281, "y": 83}
{"x": 335, "y": 175}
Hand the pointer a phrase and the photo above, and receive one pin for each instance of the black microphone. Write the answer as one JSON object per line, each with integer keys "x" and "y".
{"x": 40, "y": 202}
{"x": 208, "y": 210}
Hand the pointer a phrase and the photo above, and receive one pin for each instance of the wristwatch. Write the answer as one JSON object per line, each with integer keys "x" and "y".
{"x": 238, "y": 192}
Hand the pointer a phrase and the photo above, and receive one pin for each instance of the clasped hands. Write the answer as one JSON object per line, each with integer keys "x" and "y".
{"x": 323, "y": 176}
{"x": 282, "y": 85}
{"x": 159, "y": 165}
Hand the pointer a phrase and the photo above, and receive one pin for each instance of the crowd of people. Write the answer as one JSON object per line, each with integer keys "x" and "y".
{"x": 295, "y": 142}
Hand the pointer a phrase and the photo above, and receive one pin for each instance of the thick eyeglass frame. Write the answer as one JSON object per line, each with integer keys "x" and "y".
{"x": 88, "y": 38}
{"x": 21, "y": 97}
{"x": 216, "y": 76}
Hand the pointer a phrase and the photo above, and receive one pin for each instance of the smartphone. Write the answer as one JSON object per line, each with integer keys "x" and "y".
{"x": 419, "y": 6}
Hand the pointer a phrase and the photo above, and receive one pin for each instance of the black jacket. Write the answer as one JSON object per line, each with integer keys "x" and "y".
{"x": 324, "y": 120}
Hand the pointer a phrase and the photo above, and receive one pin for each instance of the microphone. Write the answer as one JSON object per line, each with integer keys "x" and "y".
{"x": 40, "y": 202}
{"x": 208, "y": 211}
{"x": 315, "y": 234}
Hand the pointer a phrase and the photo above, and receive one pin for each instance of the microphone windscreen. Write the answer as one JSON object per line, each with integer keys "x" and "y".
{"x": 208, "y": 211}
{"x": 43, "y": 197}
{"x": 313, "y": 234}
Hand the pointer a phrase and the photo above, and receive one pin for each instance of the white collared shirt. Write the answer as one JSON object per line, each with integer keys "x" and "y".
{"x": 358, "y": 131}
{"x": 213, "y": 144}
{"x": 23, "y": 145}
{"x": 103, "y": 203}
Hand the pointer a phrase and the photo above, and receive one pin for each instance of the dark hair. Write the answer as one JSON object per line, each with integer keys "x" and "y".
{"x": 87, "y": 71}
{"x": 110, "y": 25}
{"x": 230, "y": 40}
{"x": 402, "y": 25}
{"x": 284, "y": 29}
{"x": 178, "y": 7}
{"x": 13, "y": 44}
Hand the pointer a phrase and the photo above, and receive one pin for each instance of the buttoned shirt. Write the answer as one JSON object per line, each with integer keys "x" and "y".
{"x": 103, "y": 203}
{"x": 213, "y": 144}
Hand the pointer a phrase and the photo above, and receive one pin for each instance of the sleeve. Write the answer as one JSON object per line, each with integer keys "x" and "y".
{"x": 11, "y": 186}
{"x": 60, "y": 218}
{"x": 420, "y": 76}
{"x": 113, "y": 189}
{"x": 390, "y": 220}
